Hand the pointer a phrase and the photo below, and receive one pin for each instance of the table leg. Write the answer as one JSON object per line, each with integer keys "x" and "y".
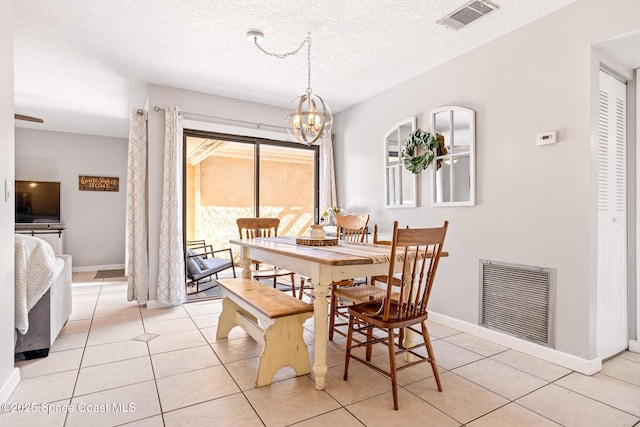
{"x": 321, "y": 281}
{"x": 246, "y": 263}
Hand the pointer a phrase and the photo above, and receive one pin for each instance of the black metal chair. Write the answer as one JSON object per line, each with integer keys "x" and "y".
{"x": 202, "y": 263}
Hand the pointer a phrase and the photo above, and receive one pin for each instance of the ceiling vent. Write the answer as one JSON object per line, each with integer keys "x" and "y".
{"x": 467, "y": 14}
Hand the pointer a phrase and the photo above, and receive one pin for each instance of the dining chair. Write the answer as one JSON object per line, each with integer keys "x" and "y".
{"x": 349, "y": 228}
{"x": 367, "y": 292}
{"x": 419, "y": 250}
{"x": 250, "y": 228}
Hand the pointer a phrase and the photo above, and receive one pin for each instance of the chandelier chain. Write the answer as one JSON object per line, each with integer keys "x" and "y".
{"x": 308, "y": 64}
{"x": 308, "y": 116}
{"x": 306, "y": 41}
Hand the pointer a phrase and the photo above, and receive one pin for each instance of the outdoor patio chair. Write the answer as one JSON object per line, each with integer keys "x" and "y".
{"x": 202, "y": 262}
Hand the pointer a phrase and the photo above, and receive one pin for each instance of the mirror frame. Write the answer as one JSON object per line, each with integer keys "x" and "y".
{"x": 399, "y": 170}
{"x": 451, "y": 109}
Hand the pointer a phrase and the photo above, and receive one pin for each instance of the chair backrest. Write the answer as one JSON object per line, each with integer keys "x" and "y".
{"x": 250, "y": 228}
{"x": 419, "y": 251}
{"x": 198, "y": 246}
{"x": 352, "y": 228}
{"x": 377, "y": 241}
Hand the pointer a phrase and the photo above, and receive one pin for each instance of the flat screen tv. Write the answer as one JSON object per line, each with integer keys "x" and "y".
{"x": 37, "y": 202}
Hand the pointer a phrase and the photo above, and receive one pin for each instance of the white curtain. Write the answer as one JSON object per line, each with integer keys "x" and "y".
{"x": 328, "y": 197}
{"x": 137, "y": 243}
{"x": 171, "y": 278}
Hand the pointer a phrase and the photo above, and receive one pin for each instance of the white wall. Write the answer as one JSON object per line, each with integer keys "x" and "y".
{"x": 534, "y": 204}
{"x": 9, "y": 376}
{"x": 197, "y": 104}
{"x": 94, "y": 220}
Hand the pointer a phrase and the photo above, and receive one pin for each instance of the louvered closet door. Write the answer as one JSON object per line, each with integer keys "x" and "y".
{"x": 612, "y": 217}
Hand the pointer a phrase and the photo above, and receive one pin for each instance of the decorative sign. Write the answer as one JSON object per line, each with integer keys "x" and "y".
{"x": 98, "y": 183}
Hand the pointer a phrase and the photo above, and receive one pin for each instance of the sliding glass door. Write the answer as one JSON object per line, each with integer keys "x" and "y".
{"x": 288, "y": 186}
{"x": 228, "y": 177}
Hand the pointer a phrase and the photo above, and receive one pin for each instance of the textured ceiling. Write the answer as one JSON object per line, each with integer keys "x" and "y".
{"x": 81, "y": 65}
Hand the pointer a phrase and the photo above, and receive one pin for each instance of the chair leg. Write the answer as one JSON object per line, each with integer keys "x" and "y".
{"x": 432, "y": 358}
{"x": 332, "y": 312}
{"x": 293, "y": 286}
{"x": 347, "y": 354}
{"x": 392, "y": 369}
{"x": 369, "y": 345}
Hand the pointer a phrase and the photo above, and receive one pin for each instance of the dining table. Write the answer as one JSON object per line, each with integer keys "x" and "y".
{"x": 323, "y": 265}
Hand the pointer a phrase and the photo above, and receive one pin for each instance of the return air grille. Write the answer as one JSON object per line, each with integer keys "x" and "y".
{"x": 467, "y": 14}
{"x": 518, "y": 300}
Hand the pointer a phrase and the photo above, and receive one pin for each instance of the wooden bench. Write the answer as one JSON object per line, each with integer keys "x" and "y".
{"x": 272, "y": 318}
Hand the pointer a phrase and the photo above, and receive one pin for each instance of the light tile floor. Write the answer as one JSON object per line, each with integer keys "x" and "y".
{"x": 119, "y": 364}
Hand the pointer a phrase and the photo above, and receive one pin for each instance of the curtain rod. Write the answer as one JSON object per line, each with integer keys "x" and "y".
{"x": 258, "y": 125}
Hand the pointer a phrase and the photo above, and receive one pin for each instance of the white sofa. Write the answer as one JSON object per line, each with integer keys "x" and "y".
{"x": 48, "y": 315}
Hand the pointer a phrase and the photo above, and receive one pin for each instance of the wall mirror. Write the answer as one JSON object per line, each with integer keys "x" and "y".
{"x": 454, "y": 176}
{"x": 400, "y": 184}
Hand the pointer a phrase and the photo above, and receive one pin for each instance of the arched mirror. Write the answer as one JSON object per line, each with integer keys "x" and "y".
{"x": 400, "y": 184}
{"x": 454, "y": 174}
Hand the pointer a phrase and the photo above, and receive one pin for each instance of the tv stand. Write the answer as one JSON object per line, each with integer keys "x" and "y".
{"x": 50, "y": 233}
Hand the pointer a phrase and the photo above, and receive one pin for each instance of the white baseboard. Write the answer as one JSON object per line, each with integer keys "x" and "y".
{"x": 10, "y": 385}
{"x": 98, "y": 267}
{"x": 634, "y": 346}
{"x": 569, "y": 361}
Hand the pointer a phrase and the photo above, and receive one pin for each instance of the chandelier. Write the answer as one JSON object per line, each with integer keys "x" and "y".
{"x": 308, "y": 116}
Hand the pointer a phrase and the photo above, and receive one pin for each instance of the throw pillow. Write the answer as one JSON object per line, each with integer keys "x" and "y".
{"x": 192, "y": 266}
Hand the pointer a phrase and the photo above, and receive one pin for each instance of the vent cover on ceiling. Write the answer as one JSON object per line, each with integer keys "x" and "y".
{"x": 518, "y": 300}
{"x": 467, "y": 14}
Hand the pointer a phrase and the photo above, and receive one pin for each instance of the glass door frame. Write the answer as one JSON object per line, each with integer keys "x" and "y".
{"x": 256, "y": 143}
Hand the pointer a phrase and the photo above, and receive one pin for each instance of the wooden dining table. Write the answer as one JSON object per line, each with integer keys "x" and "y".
{"x": 323, "y": 265}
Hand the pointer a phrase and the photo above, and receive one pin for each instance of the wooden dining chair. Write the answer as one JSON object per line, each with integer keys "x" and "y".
{"x": 419, "y": 251}
{"x": 383, "y": 279}
{"x": 250, "y": 228}
{"x": 367, "y": 292}
{"x": 349, "y": 228}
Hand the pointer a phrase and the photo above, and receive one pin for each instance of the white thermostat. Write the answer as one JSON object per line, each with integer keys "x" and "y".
{"x": 546, "y": 138}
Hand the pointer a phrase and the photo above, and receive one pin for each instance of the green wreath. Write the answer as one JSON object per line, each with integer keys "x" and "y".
{"x": 413, "y": 162}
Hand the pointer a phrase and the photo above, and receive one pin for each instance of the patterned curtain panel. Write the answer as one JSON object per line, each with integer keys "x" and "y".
{"x": 171, "y": 275}
{"x": 137, "y": 242}
{"x": 328, "y": 197}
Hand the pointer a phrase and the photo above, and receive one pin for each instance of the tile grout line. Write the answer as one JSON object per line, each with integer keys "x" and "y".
{"x": 75, "y": 384}
{"x": 240, "y": 391}
{"x": 596, "y": 399}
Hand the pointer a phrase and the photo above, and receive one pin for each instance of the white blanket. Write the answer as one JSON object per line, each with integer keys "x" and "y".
{"x": 35, "y": 270}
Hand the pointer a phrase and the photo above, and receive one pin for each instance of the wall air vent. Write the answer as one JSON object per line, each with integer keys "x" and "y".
{"x": 518, "y": 300}
{"x": 467, "y": 14}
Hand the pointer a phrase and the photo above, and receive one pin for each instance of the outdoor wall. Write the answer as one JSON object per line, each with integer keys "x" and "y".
{"x": 94, "y": 220}
{"x": 220, "y": 189}
{"x": 9, "y": 376}
{"x": 229, "y": 182}
{"x": 534, "y": 203}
